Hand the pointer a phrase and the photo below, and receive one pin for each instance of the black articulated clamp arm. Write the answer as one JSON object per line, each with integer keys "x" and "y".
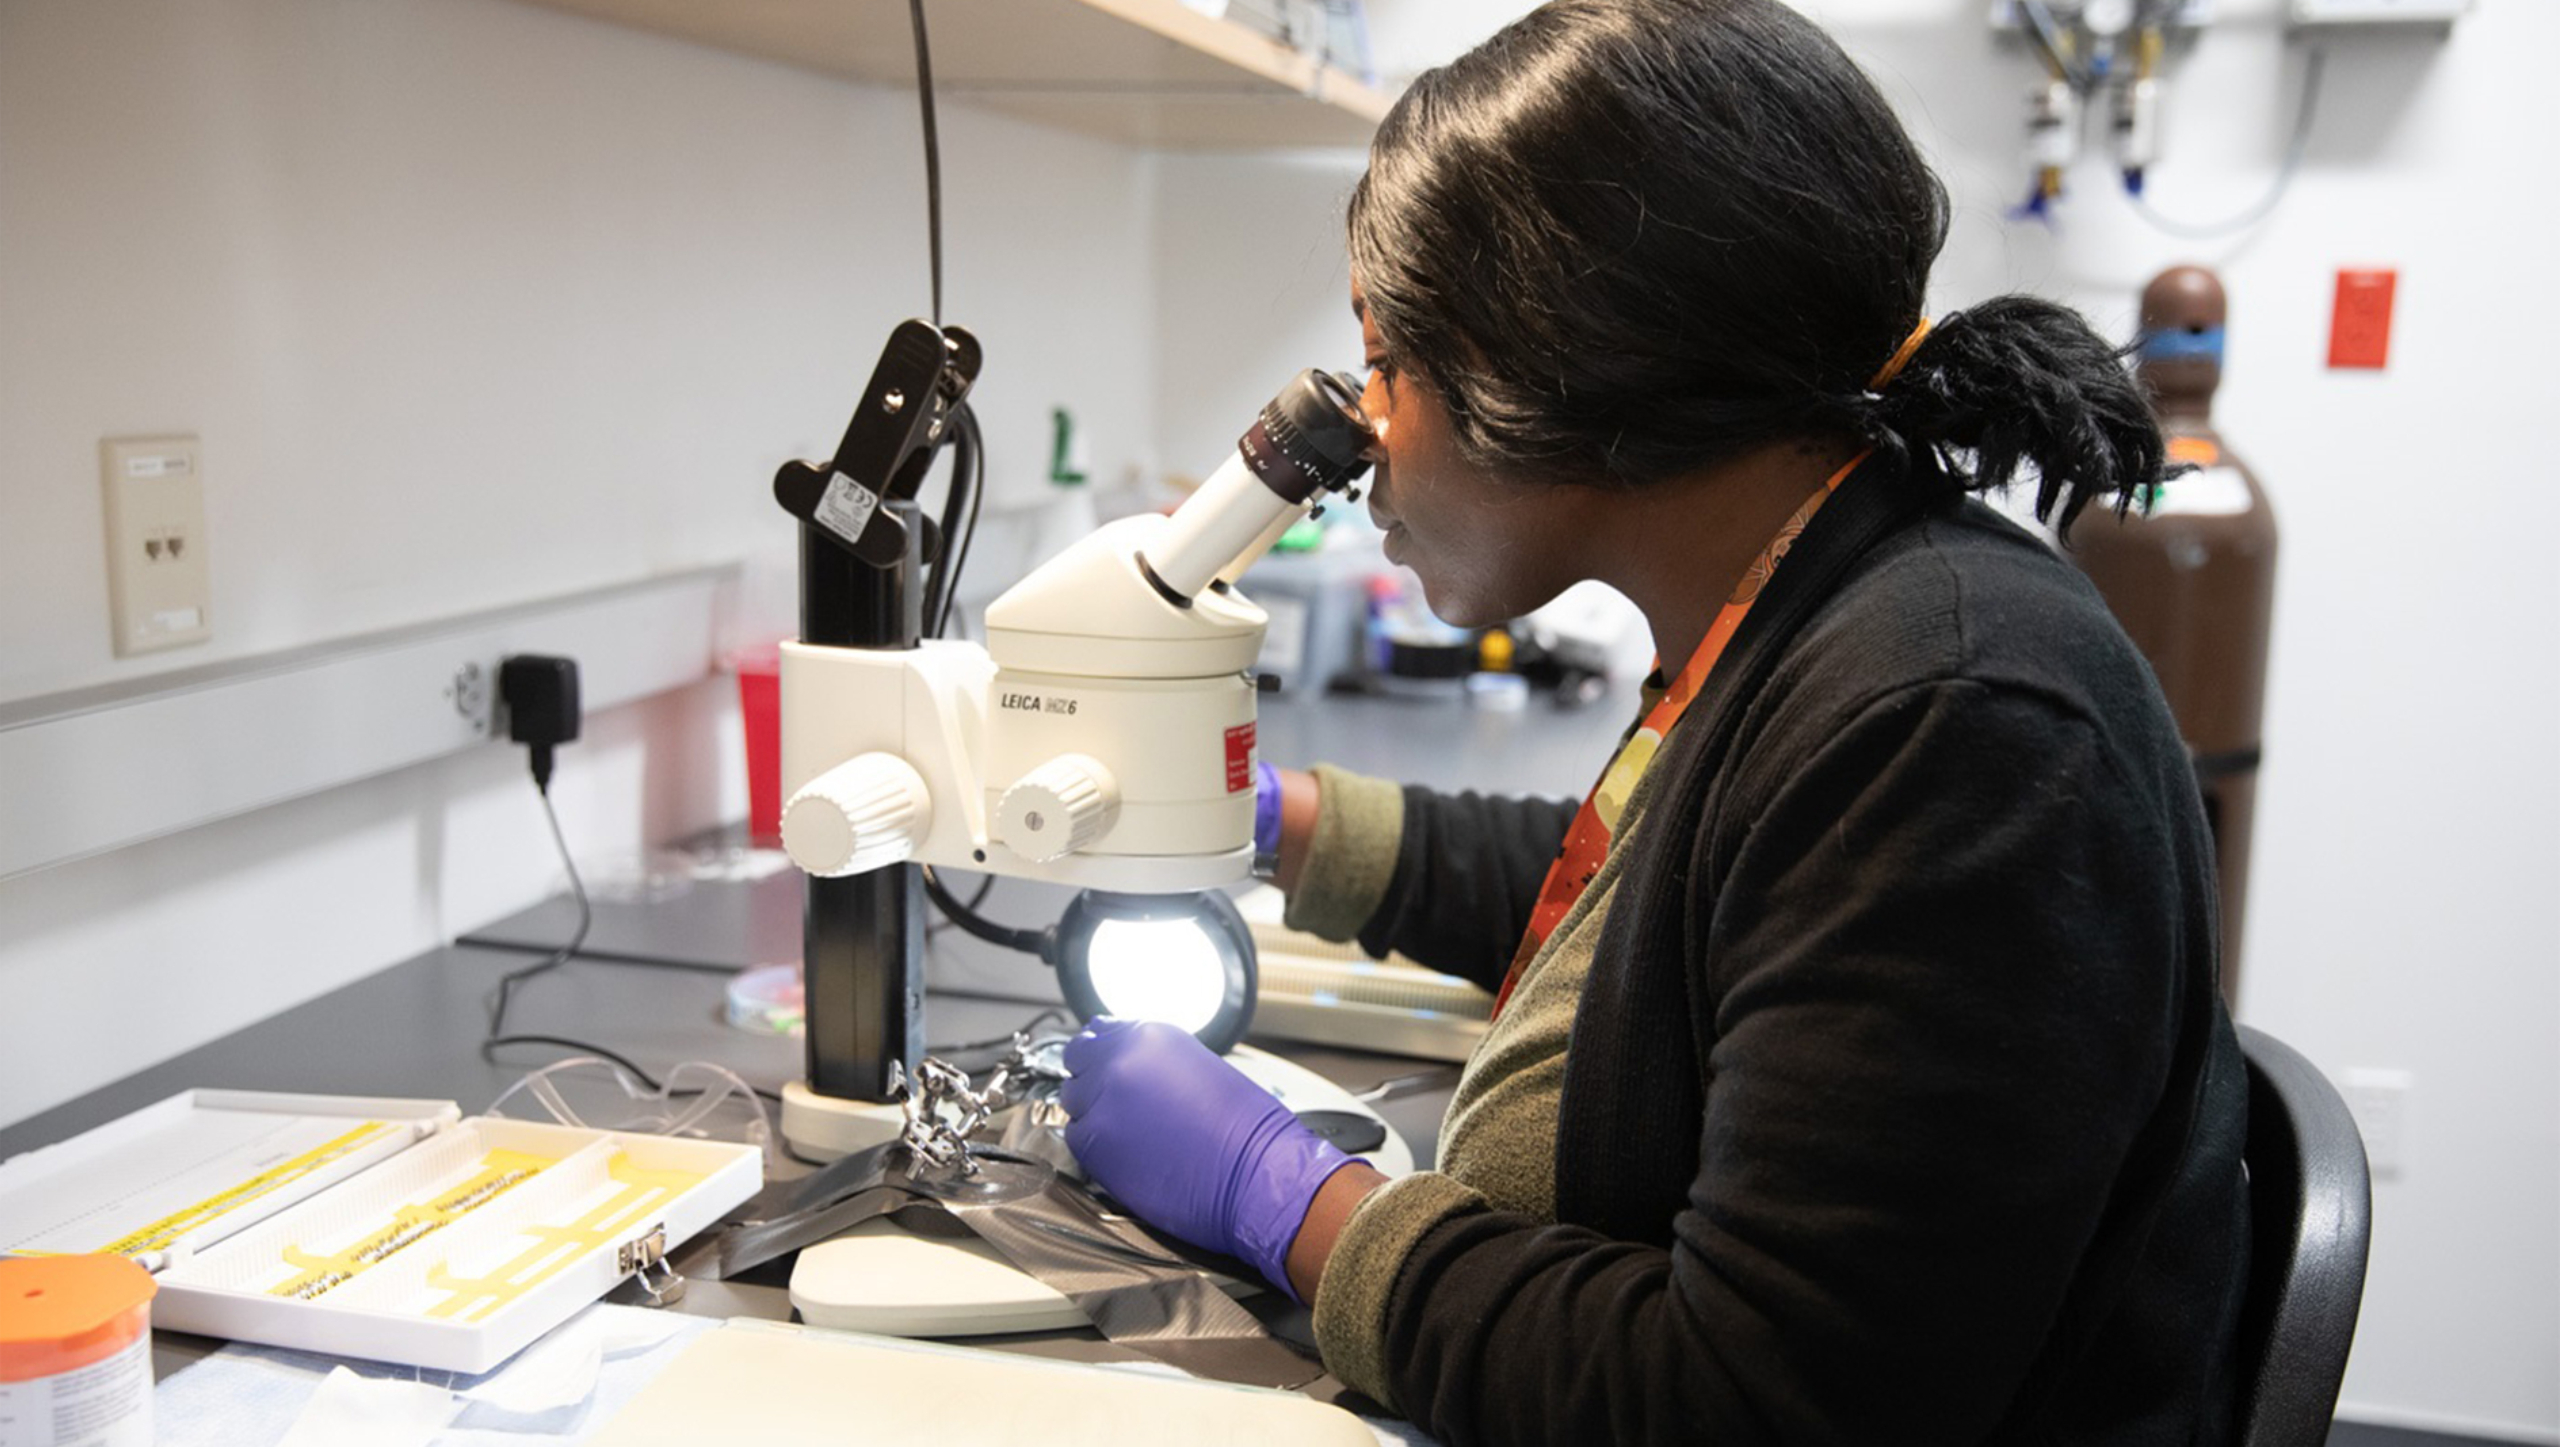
{"x": 907, "y": 410}
{"x": 864, "y": 544}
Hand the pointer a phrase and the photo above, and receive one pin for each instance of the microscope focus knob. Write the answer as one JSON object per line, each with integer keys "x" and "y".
{"x": 1058, "y": 808}
{"x": 870, "y": 810}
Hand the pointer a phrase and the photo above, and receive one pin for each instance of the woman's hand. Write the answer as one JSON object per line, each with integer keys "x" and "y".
{"x": 1191, "y": 1145}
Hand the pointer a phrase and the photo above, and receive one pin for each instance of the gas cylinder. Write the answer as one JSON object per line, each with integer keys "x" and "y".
{"x": 2190, "y": 573}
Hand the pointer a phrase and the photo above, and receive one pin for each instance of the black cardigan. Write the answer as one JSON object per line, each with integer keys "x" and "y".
{"x": 1901, "y": 1104}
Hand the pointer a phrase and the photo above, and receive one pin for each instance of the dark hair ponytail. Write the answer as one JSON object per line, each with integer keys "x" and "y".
{"x": 1626, "y": 239}
{"x": 2020, "y": 381}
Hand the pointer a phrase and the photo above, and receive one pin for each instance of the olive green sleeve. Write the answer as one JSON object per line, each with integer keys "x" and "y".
{"x": 1360, "y": 1277}
{"x": 1352, "y": 857}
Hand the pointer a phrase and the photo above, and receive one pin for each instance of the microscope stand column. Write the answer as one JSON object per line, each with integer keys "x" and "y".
{"x": 863, "y": 934}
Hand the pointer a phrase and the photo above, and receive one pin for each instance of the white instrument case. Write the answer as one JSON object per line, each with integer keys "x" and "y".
{"x": 369, "y": 1227}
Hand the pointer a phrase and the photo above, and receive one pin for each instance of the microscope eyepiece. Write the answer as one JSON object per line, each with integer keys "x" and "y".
{"x": 1312, "y": 438}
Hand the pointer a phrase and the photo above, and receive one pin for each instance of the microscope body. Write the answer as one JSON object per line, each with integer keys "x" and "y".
{"x": 1103, "y": 737}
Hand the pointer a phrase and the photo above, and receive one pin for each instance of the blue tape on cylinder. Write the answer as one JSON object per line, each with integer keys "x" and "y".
{"x": 2181, "y": 345}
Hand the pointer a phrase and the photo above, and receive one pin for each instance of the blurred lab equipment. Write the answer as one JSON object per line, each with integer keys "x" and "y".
{"x": 1313, "y": 598}
{"x": 1331, "y": 32}
{"x": 1407, "y": 649}
{"x": 2110, "y": 58}
{"x": 767, "y": 999}
{"x": 2099, "y": 55}
{"x": 2191, "y": 576}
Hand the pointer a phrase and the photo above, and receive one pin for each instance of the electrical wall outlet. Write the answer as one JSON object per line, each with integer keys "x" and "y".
{"x": 158, "y": 583}
{"x": 2379, "y": 1100}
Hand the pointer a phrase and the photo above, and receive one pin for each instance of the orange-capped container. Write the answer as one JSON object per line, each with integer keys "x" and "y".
{"x": 75, "y": 1352}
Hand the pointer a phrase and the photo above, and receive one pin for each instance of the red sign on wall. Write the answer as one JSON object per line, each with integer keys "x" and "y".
{"x": 2360, "y": 323}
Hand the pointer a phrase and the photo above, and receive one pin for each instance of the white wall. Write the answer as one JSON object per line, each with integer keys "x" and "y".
{"x": 471, "y": 303}
{"x": 1254, "y": 288}
{"x": 2405, "y": 845}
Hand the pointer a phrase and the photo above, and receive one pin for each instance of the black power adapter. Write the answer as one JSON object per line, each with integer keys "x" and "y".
{"x": 541, "y": 698}
{"x": 541, "y": 695}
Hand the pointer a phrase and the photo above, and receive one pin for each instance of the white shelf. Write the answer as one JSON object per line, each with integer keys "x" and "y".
{"x": 1143, "y": 72}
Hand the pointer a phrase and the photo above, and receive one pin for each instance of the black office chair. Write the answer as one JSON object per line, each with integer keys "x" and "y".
{"x": 2311, "y": 1210}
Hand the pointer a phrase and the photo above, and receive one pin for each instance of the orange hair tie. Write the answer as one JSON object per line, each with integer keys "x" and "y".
{"x": 1893, "y": 369}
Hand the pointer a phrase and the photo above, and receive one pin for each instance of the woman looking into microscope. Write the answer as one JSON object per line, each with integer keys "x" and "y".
{"x": 1859, "y": 1073}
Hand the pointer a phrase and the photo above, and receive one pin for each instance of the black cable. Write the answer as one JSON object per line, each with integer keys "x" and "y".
{"x": 966, "y": 496}
{"x": 932, "y": 152}
{"x": 968, "y": 468}
{"x": 2315, "y": 64}
{"x": 968, "y": 487}
{"x": 970, "y": 452}
{"x": 978, "y": 897}
{"x": 937, "y": 578}
{"x": 1028, "y": 941}
{"x": 610, "y": 957}
{"x": 582, "y": 1047}
{"x": 560, "y": 956}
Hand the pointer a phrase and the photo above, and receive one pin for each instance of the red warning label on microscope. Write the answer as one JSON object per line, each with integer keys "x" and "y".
{"x": 1239, "y": 758}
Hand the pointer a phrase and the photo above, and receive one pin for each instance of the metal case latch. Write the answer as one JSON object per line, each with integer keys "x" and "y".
{"x": 634, "y": 1258}
{"x": 642, "y": 1252}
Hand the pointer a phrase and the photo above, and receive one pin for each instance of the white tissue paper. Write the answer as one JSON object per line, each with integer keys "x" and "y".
{"x": 354, "y": 1411}
{"x": 554, "y": 1391}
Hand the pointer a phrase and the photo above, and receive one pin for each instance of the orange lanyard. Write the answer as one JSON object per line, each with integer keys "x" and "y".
{"x": 1586, "y": 843}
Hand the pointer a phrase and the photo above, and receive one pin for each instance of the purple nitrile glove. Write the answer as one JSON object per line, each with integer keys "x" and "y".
{"x": 1266, "y": 808}
{"x": 1190, "y": 1144}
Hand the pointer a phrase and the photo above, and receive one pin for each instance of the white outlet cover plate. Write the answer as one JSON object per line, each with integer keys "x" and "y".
{"x": 159, "y": 587}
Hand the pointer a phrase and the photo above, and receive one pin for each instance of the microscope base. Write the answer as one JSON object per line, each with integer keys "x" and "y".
{"x": 822, "y": 1127}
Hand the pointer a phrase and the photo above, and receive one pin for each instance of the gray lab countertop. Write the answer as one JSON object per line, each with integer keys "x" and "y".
{"x": 414, "y": 1030}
